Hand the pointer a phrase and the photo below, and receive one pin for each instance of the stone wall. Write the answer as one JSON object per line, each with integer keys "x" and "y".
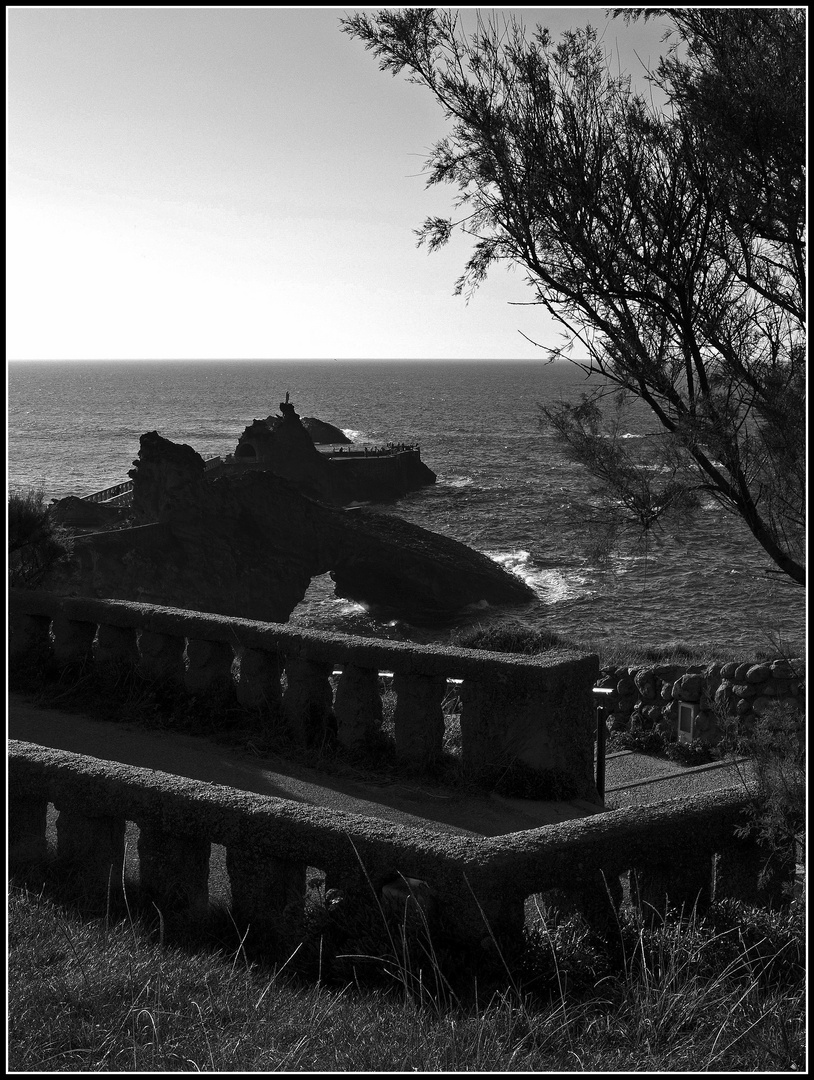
{"x": 686, "y": 849}
{"x": 647, "y": 697}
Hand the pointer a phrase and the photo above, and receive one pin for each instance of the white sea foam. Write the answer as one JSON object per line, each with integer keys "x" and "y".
{"x": 356, "y": 436}
{"x": 455, "y": 481}
{"x": 550, "y": 584}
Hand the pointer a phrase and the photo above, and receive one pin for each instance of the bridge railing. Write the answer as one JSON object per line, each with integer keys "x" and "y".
{"x": 110, "y": 493}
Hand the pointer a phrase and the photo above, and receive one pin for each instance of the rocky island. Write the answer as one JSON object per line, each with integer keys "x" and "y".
{"x": 246, "y": 536}
{"x": 285, "y": 446}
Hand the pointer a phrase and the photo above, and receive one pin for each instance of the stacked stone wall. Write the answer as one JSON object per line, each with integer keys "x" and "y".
{"x": 646, "y": 697}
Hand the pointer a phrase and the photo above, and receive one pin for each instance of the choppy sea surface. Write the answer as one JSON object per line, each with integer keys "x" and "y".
{"x": 504, "y": 486}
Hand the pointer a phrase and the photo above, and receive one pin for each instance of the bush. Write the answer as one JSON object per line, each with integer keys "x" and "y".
{"x": 34, "y": 544}
{"x": 777, "y": 748}
{"x": 509, "y": 639}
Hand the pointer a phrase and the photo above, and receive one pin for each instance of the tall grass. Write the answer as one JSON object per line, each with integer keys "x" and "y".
{"x": 725, "y": 994}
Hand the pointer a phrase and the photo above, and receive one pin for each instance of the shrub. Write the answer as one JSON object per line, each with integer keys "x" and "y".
{"x": 509, "y": 638}
{"x": 34, "y": 544}
{"x": 777, "y": 748}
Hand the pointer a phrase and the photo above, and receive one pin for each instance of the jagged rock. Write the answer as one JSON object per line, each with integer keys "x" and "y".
{"x": 248, "y": 544}
{"x": 160, "y": 472}
{"x": 322, "y": 433}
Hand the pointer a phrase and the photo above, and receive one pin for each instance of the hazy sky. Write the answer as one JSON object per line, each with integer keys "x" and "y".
{"x": 207, "y": 182}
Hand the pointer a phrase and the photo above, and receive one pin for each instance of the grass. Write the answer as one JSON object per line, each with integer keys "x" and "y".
{"x": 95, "y": 994}
{"x": 616, "y": 651}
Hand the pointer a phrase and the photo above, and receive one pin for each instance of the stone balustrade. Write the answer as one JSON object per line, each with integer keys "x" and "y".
{"x": 536, "y": 713}
{"x": 685, "y": 849}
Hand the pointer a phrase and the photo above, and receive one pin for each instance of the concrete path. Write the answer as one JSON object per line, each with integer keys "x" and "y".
{"x": 631, "y": 779}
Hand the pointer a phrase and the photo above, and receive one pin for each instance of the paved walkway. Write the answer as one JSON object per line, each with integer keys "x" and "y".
{"x": 631, "y": 779}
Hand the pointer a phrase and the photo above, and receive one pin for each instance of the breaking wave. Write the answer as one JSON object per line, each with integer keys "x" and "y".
{"x": 550, "y": 584}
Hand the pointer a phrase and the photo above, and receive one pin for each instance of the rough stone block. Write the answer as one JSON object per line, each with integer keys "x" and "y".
{"x": 646, "y": 684}
{"x": 688, "y": 687}
{"x": 626, "y": 687}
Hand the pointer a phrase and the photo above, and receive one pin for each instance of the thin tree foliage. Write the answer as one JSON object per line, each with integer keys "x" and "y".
{"x": 668, "y": 243}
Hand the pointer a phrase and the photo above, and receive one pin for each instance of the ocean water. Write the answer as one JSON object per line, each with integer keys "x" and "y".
{"x": 504, "y": 487}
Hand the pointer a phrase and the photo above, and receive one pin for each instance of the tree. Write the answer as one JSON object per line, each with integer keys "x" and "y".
{"x": 669, "y": 245}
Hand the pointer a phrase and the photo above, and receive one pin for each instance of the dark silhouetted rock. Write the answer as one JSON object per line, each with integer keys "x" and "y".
{"x": 79, "y": 513}
{"x": 283, "y": 445}
{"x": 323, "y": 434}
{"x": 248, "y": 544}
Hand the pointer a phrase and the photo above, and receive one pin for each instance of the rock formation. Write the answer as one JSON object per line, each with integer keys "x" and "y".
{"x": 76, "y": 513}
{"x": 282, "y": 445}
{"x": 322, "y": 433}
{"x": 248, "y": 544}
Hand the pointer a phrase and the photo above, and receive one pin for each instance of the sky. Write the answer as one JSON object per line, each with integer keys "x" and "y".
{"x": 214, "y": 183}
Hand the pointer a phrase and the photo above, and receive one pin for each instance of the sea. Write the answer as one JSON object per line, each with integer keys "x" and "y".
{"x": 505, "y": 486}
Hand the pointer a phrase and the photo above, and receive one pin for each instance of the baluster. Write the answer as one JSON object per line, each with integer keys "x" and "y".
{"x": 29, "y": 636}
{"x": 358, "y": 705}
{"x": 114, "y": 648}
{"x": 161, "y": 656}
{"x": 484, "y": 912}
{"x": 684, "y": 882}
{"x": 93, "y": 847}
{"x": 308, "y": 701}
{"x": 419, "y": 716}
{"x": 174, "y": 869}
{"x": 268, "y": 894}
{"x": 256, "y": 676}
{"x": 207, "y": 665}
{"x": 27, "y": 822}
{"x": 72, "y": 640}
